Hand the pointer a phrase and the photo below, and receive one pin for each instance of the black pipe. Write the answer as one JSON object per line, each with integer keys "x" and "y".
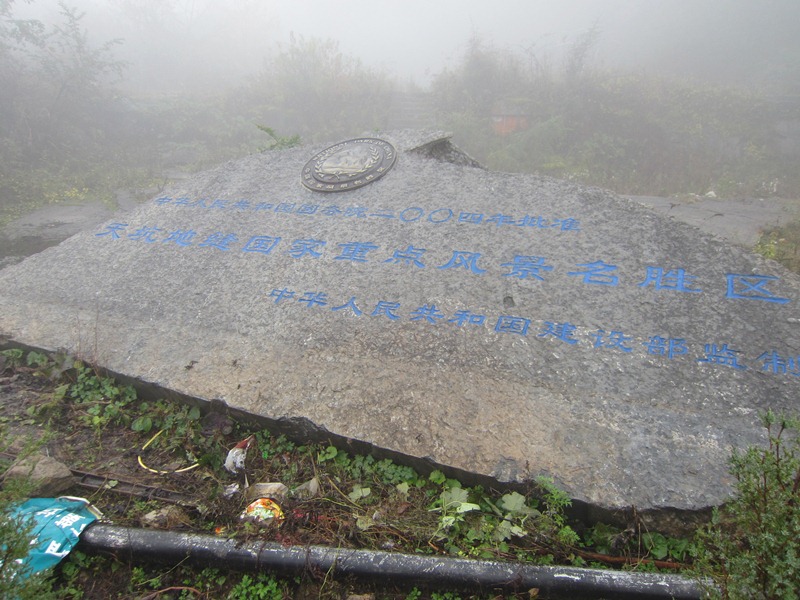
{"x": 552, "y": 582}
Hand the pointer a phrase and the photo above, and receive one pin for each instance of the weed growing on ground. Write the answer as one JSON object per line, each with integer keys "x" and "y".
{"x": 12, "y": 358}
{"x": 98, "y": 399}
{"x": 258, "y": 587}
{"x": 179, "y": 430}
{"x": 613, "y": 541}
{"x": 781, "y": 244}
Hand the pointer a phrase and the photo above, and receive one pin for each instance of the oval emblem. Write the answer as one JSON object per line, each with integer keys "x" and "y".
{"x": 349, "y": 165}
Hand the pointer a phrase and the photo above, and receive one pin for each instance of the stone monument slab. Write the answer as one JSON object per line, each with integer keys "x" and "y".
{"x": 507, "y": 325}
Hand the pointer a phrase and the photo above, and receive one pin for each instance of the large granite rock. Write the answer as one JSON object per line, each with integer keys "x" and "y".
{"x": 506, "y": 325}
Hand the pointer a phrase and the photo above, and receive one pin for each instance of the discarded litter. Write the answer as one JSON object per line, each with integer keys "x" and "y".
{"x": 264, "y": 498}
{"x": 167, "y": 517}
{"x": 234, "y": 462}
{"x": 274, "y": 491}
{"x": 57, "y": 524}
{"x": 230, "y": 490}
{"x": 309, "y": 489}
{"x": 263, "y": 511}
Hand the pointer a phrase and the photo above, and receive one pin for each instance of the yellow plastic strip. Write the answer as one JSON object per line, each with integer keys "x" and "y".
{"x": 159, "y": 471}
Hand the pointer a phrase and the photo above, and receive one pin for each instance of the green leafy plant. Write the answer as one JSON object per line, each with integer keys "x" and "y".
{"x": 365, "y": 467}
{"x": 100, "y": 400}
{"x": 278, "y": 142}
{"x": 329, "y": 453}
{"x": 143, "y": 580}
{"x": 275, "y": 448}
{"x": 662, "y": 547}
{"x": 605, "y": 538}
{"x": 259, "y": 587}
{"x": 53, "y": 366}
{"x": 752, "y": 547}
{"x": 359, "y": 492}
{"x": 13, "y": 357}
{"x": 474, "y": 522}
{"x": 37, "y": 359}
{"x": 453, "y": 504}
{"x": 179, "y": 430}
{"x": 142, "y": 424}
{"x": 515, "y": 512}
{"x": 445, "y": 596}
{"x": 414, "y": 594}
{"x": 208, "y": 579}
{"x": 554, "y": 520}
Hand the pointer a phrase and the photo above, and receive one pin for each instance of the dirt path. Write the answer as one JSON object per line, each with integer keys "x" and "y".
{"x": 738, "y": 221}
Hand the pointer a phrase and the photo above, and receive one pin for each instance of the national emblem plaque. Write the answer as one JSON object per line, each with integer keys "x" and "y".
{"x": 349, "y": 165}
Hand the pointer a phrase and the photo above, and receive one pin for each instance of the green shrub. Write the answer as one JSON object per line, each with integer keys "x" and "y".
{"x": 15, "y": 540}
{"x": 752, "y": 547}
{"x": 782, "y": 244}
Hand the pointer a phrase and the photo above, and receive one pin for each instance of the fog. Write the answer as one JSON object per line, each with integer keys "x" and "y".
{"x": 654, "y": 97}
{"x": 193, "y": 44}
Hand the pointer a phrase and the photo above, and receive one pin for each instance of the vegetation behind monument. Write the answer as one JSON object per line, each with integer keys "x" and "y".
{"x": 630, "y": 132}
{"x": 68, "y": 132}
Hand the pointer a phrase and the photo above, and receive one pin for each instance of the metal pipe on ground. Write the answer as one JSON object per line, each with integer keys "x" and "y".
{"x": 408, "y": 569}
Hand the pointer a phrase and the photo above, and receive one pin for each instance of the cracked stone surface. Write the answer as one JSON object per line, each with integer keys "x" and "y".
{"x": 506, "y": 325}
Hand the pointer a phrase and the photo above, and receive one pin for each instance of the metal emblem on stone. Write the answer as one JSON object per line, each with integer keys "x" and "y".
{"x": 349, "y": 165}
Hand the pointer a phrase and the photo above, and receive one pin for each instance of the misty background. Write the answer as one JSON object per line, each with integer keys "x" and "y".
{"x": 657, "y": 97}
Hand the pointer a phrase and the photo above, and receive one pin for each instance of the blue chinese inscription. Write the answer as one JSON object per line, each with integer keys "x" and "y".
{"x": 410, "y": 214}
{"x": 751, "y": 287}
{"x": 529, "y": 269}
{"x": 714, "y": 355}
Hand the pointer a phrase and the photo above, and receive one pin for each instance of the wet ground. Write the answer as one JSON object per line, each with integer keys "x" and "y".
{"x": 51, "y": 225}
{"x": 739, "y": 221}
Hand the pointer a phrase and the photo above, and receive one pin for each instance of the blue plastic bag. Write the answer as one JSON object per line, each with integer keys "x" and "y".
{"x": 57, "y": 524}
